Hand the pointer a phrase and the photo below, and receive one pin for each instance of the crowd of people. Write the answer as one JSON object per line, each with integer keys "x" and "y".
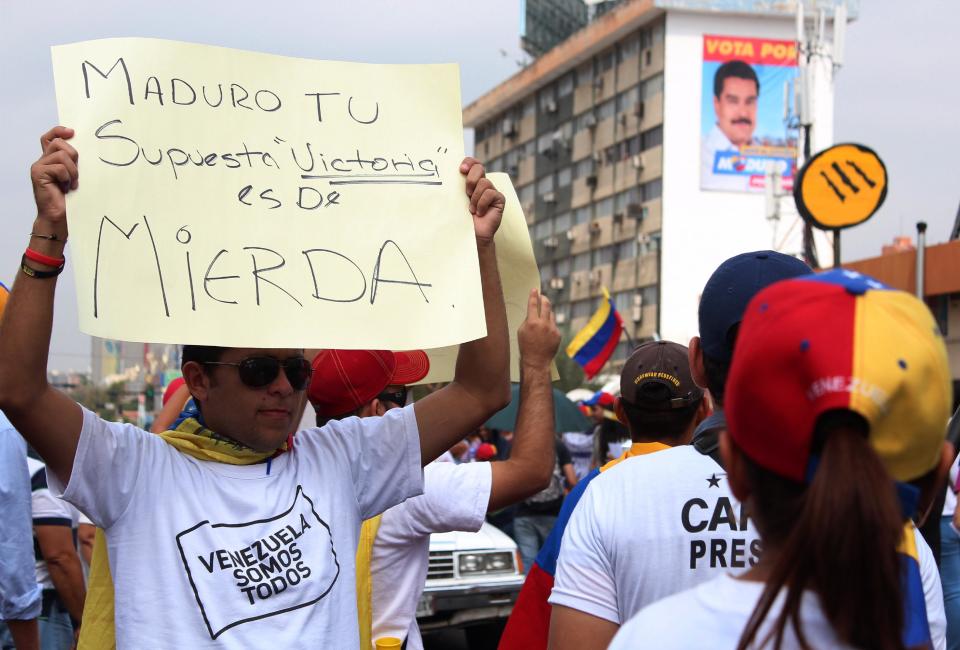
{"x": 762, "y": 487}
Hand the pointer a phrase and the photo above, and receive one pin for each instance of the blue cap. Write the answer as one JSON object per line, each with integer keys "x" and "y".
{"x": 731, "y": 287}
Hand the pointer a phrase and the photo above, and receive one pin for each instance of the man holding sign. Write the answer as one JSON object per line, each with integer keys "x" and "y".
{"x": 221, "y": 532}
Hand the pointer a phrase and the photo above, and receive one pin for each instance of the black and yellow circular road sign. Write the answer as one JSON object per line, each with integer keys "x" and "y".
{"x": 841, "y": 186}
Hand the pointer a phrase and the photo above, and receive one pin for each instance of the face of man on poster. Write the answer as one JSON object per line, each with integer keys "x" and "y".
{"x": 736, "y": 109}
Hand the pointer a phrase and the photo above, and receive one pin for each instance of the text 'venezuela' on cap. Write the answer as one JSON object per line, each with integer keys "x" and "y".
{"x": 345, "y": 380}
{"x": 730, "y": 288}
{"x": 839, "y": 340}
{"x": 657, "y": 377}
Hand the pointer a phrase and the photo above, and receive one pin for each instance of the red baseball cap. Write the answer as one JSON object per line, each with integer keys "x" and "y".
{"x": 172, "y": 388}
{"x": 485, "y": 451}
{"x": 838, "y": 340}
{"x": 345, "y": 380}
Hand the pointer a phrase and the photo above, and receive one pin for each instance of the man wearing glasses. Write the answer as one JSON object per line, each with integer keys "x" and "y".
{"x": 220, "y": 533}
{"x": 369, "y": 383}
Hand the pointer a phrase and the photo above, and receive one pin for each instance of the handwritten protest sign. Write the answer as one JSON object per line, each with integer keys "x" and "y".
{"x": 245, "y": 199}
{"x": 518, "y": 275}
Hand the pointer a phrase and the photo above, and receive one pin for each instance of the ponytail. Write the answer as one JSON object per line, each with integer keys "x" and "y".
{"x": 836, "y": 536}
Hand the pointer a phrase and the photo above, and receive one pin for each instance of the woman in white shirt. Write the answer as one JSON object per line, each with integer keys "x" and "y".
{"x": 837, "y": 402}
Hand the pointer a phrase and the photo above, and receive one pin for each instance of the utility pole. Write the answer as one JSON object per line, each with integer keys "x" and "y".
{"x": 818, "y": 61}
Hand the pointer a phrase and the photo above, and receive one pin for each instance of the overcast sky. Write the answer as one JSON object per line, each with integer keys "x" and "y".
{"x": 896, "y": 91}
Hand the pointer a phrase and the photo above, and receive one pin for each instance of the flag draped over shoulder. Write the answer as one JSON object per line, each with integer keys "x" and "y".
{"x": 594, "y": 344}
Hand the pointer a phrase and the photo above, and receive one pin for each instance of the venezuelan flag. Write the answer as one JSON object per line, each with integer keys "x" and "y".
{"x": 594, "y": 344}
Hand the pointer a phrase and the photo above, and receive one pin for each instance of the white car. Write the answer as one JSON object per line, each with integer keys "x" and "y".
{"x": 473, "y": 581}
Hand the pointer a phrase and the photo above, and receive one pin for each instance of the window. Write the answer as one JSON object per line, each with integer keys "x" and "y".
{"x": 525, "y": 194}
{"x": 657, "y": 33}
{"x": 581, "y": 309}
{"x": 581, "y": 215}
{"x": 623, "y": 301}
{"x": 602, "y": 256}
{"x": 629, "y": 47}
{"x": 651, "y": 87}
{"x": 584, "y": 74}
{"x": 605, "y": 61}
{"x": 652, "y": 190}
{"x": 562, "y": 309}
{"x": 604, "y": 208}
{"x": 546, "y": 272}
{"x": 581, "y": 262}
{"x": 627, "y": 99}
{"x": 562, "y": 223}
{"x": 650, "y": 295}
{"x": 563, "y": 268}
{"x": 545, "y": 185}
{"x": 623, "y": 199}
{"x": 564, "y": 176}
{"x": 545, "y": 143}
{"x": 622, "y": 351}
{"x": 583, "y": 168}
{"x": 583, "y": 121}
{"x": 542, "y": 229}
{"x": 627, "y": 249}
{"x": 529, "y": 108}
{"x": 548, "y": 99}
{"x": 565, "y": 87}
{"x": 512, "y": 158}
{"x": 606, "y": 110}
{"x": 651, "y": 138}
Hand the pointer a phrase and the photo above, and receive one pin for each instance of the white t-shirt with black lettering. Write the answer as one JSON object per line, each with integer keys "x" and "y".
{"x": 455, "y": 497}
{"x": 209, "y": 555}
{"x": 647, "y": 528}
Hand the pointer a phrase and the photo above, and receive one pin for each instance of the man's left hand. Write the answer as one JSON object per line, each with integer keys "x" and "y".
{"x": 486, "y": 203}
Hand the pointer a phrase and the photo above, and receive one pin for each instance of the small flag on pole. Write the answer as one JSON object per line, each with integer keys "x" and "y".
{"x": 594, "y": 344}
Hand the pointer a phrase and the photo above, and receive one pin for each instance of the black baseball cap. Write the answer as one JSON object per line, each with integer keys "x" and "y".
{"x": 657, "y": 377}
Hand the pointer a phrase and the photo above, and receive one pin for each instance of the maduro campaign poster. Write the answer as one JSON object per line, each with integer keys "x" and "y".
{"x": 742, "y": 125}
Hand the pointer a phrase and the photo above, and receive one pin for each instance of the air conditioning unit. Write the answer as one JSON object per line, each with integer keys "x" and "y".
{"x": 549, "y": 197}
{"x": 595, "y": 228}
{"x": 637, "y": 310}
{"x": 556, "y": 283}
{"x": 639, "y": 109}
{"x": 551, "y": 106}
{"x": 570, "y": 235}
{"x": 618, "y": 217}
{"x": 561, "y": 318}
{"x": 592, "y": 180}
{"x": 643, "y": 239}
{"x": 637, "y": 161}
{"x": 596, "y": 277}
{"x": 509, "y": 128}
{"x": 528, "y": 208}
{"x": 598, "y": 157}
{"x": 550, "y": 242}
{"x": 590, "y": 121}
{"x": 513, "y": 170}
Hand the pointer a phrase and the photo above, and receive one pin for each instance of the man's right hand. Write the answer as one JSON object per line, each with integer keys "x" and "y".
{"x": 53, "y": 175}
{"x": 538, "y": 336}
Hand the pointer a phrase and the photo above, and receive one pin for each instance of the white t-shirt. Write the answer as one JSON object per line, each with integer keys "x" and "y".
{"x": 580, "y": 446}
{"x": 715, "y": 614}
{"x": 209, "y": 555}
{"x": 647, "y": 528}
{"x": 455, "y": 497}
{"x": 714, "y": 142}
{"x": 950, "y": 503}
{"x": 48, "y": 510}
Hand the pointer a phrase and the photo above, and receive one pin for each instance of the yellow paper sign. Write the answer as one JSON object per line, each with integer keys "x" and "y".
{"x": 244, "y": 199}
{"x": 841, "y": 187}
{"x": 518, "y": 275}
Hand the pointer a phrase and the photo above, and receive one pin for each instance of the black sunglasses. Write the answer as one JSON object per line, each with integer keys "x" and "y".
{"x": 257, "y": 372}
{"x": 398, "y": 397}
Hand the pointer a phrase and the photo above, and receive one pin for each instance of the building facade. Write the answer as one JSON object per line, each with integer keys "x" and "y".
{"x": 602, "y": 139}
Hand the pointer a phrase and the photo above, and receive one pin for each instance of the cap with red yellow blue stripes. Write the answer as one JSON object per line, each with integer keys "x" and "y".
{"x": 838, "y": 340}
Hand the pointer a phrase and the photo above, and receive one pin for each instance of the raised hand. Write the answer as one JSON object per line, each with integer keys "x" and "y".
{"x": 53, "y": 175}
{"x": 486, "y": 203}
